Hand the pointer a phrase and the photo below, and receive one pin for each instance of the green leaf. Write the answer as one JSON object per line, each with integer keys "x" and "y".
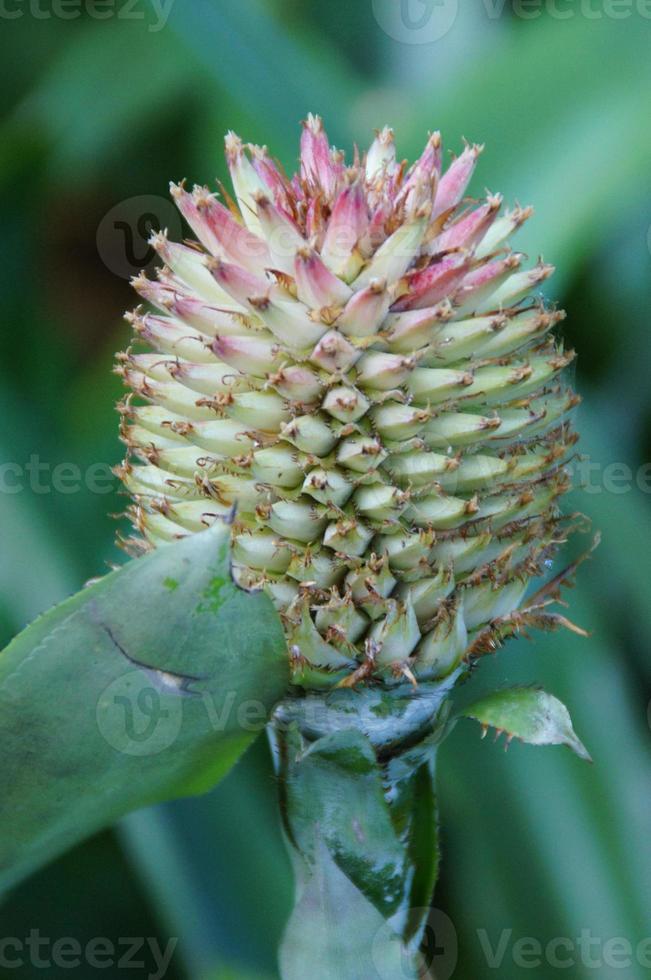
{"x": 411, "y": 779}
{"x": 529, "y": 714}
{"x": 337, "y": 787}
{"x": 335, "y": 932}
{"x": 351, "y": 868}
{"x": 145, "y": 686}
{"x": 356, "y": 773}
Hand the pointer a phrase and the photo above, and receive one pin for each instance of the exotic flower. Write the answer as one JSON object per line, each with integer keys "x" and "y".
{"x": 353, "y": 367}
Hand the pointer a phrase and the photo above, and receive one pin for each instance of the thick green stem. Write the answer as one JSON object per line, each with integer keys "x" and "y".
{"x": 356, "y": 783}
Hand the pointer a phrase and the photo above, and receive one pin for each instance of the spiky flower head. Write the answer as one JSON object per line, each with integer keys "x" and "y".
{"x": 354, "y": 368}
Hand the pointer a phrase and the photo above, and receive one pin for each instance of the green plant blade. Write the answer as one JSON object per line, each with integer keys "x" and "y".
{"x": 529, "y": 714}
{"x": 350, "y": 866}
{"x": 145, "y": 686}
{"x": 335, "y": 932}
{"x": 359, "y": 812}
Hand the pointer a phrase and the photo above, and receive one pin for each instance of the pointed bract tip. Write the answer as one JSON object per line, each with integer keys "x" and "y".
{"x": 314, "y": 123}
{"x": 386, "y": 135}
{"x": 233, "y": 146}
{"x": 159, "y": 240}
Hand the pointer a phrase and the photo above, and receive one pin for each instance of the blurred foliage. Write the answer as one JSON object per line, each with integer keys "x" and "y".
{"x": 95, "y": 112}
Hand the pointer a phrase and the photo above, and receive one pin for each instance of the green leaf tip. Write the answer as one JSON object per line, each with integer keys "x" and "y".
{"x": 133, "y": 691}
{"x": 529, "y": 714}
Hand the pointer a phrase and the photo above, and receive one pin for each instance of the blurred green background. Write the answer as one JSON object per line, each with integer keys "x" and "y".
{"x": 103, "y": 103}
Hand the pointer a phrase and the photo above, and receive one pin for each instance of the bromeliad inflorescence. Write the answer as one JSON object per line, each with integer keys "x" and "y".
{"x": 351, "y": 386}
{"x": 356, "y": 361}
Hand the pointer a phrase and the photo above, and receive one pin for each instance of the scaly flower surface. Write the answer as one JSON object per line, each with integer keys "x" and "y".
{"x": 354, "y": 367}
